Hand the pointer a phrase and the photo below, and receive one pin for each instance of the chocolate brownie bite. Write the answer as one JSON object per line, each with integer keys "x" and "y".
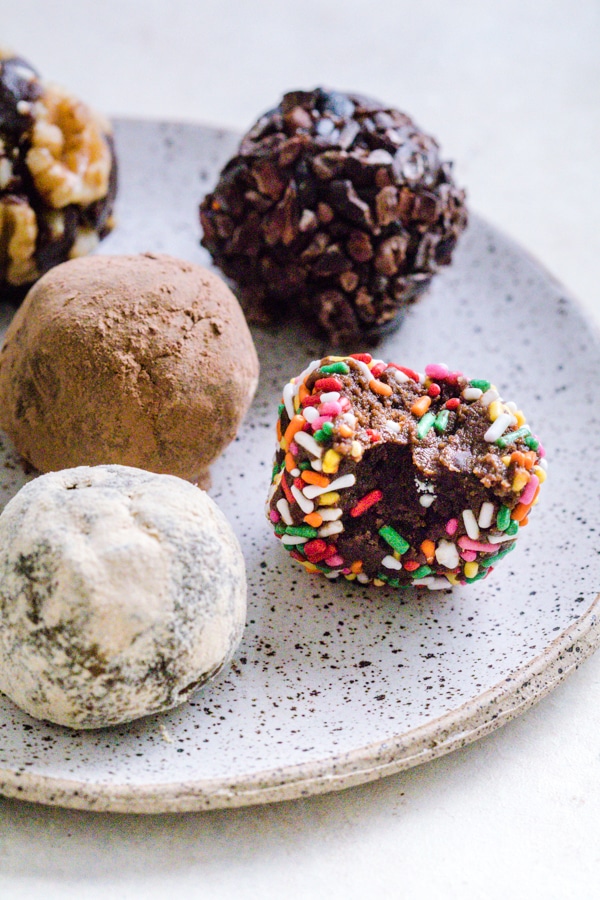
{"x": 58, "y": 176}
{"x": 338, "y": 206}
{"x": 388, "y": 476}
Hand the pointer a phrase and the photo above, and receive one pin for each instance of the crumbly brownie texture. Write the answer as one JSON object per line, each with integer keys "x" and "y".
{"x": 338, "y": 205}
{"x": 389, "y": 476}
{"x": 58, "y": 176}
{"x": 142, "y": 360}
{"x": 121, "y": 593}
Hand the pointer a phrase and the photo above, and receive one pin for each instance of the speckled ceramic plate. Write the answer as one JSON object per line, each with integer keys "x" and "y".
{"x": 336, "y": 684}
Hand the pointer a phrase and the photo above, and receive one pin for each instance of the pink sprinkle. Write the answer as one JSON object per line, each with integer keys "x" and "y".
{"x": 334, "y": 561}
{"x": 346, "y": 571}
{"x": 333, "y": 408}
{"x": 452, "y": 377}
{"x": 274, "y": 516}
{"x": 451, "y": 526}
{"x": 529, "y": 490}
{"x": 346, "y": 405}
{"x": 318, "y": 423}
{"x": 436, "y": 371}
{"x": 467, "y": 544}
{"x": 468, "y": 555}
{"x": 294, "y": 450}
{"x": 540, "y": 451}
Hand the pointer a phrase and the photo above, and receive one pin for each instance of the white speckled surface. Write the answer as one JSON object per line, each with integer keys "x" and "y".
{"x": 333, "y": 684}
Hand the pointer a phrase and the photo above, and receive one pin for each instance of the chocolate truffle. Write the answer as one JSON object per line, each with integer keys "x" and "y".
{"x": 57, "y": 176}
{"x": 389, "y": 476}
{"x": 121, "y": 592}
{"x": 142, "y": 361}
{"x": 337, "y": 206}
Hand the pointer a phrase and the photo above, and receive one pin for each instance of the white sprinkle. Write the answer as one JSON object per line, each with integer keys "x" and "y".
{"x": 330, "y": 397}
{"x": 498, "y": 538}
{"x": 295, "y": 473}
{"x": 329, "y": 514}
{"x": 511, "y": 406}
{"x": 434, "y": 584}
{"x": 289, "y": 392}
{"x": 426, "y": 500}
{"x": 333, "y": 575}
{"x": 345, "y": 481}
{"x": 330, "y": 528}
{"x": 306, "y": 505}
{"x": 310, "y": 413}
{"x": 392, "y": 426}
{"x": 350, "y": 419}
{"x": 486, "y": 515}
{"x": 308, "y": 371}
{"x": 364, "y": 369}
{"x": 390, "y": 562}
{"x": 317, "y": 465}
{"x": 446, "y": 554}
{"x": 489, "y": 397}
{"x": 472, "y": 393}
{"x": 543, "y": 463}
{"x": 400, "y": 377}
{"x": 293, "y": 539}
{"x": 284, "y": 508}
{"x": 471, "y": 524}
{"x": 307, "y": 441}
{"x": 497, "y": 428}
{"x": 364, "y": 579}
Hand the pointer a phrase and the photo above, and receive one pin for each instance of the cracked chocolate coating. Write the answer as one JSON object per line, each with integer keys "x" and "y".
{"x": 336, "y": 205}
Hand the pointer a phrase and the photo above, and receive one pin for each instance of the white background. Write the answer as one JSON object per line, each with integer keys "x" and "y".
{"x": 512, "y": 91}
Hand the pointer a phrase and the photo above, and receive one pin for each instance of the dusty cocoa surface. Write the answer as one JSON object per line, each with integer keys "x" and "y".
{"x": 142, "y": 360}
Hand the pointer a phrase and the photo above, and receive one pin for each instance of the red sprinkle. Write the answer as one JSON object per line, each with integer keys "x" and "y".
{"x": 434, "y": 390}
{"x": 453, "y": 403}
{"x": 286, "y": 490}
{"x": 366, "y": 503}
{"x": 374, "y": 436}
{"x": 411, "y": 565}
{"x": 452, "y": 377}
{"x": 317, "y": 550}
{"x": 325, "y": 385}
{"x": 378, "y": 369}
{"x": 299, "y": 483}
{"x": 311, "y": 400}
{"x": 410, "y": 372}
{"x": 362, "y": 357}
{"x": 295, "y": 555}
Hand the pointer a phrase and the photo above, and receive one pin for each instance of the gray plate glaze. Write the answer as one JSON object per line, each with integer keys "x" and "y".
{"x": 334, "y": 684}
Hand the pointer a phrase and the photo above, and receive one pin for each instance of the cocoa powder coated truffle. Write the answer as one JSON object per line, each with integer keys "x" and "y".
{"x": 389, "y": 476}
{"x": 336, "y": 204}
{"x": 58, "y": 176}
{"x": 143, "y": 361}
{"x": 121, "y": 593}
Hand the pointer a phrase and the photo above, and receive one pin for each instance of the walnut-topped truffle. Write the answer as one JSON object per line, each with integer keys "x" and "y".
{"x": 57, "y": 176}
{"x": 339, "y": 205}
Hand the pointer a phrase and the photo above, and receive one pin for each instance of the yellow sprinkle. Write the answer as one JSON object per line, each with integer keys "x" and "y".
{"x": 350, "y": 577}
{"x": 452, "y": 578}
{"x": 520, "y": 418}
{"x": 396, "y": 555}
{"x": 278, "y": 478}
{"x": 506, "y": 460}
{"x": 519, "y": 481}
{"x": 356, "y": 450}
{"x": 494, "y": 410}
{"x": 378, "y": 582}
{"x": 541, "y": 473}
{"x": 329, "y": 499}
{"x": 331, "y": 462}
{"x": 310, "y": 567}
{"x": 471, "y": 569}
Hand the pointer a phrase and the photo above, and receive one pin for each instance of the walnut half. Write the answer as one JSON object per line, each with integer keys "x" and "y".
{"x": 18, "y": 233}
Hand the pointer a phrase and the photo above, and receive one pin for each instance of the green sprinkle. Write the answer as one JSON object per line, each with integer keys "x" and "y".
{"x": 503, "y": 518}
{"x": 280, "y": 408}
{"x": 304, "y": 465}
{"x": 382, "y": 577}
{"x": 421, "y": 572}
{"x": 492, "y": 560}
{"x": 280, "y": 529}
{"x": 513, "y": 436}
{"x": 275, "y": 471}
{"x": 441, "y": 420}
{"x": 425, "y": 424}
{"x": 321, "y": 435}
{"x": 477, "y": 577}
{"x": 513, "y": 528}
{"x": 393, "y": 582}
{"x": 306, "y": 531}
{"x": 481, "y": 384}
{"x": 395, "y": 540}
{"x": 337, "y": 368}
{"x": 327, "y": 427}
{"x": 532, "y": 442}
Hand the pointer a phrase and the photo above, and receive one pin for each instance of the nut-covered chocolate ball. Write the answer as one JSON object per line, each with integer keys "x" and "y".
{"x": 57, "y": 176}
{"x": 337, "y": 205}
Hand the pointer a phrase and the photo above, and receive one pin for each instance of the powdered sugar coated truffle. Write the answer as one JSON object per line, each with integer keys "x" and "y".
{"x": 121, "y": 592}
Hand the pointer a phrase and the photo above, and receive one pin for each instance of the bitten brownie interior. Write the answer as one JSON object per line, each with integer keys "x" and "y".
{"x": 383, "y": 474}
